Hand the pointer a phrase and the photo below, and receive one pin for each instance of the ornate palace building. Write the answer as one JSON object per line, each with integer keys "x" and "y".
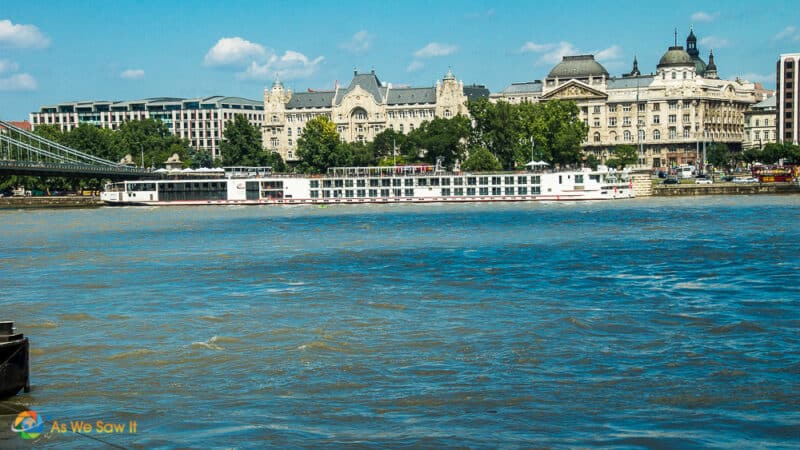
{"x": 360, "y": 111}
{"x": 760, "y": 125}
{"x": 667, "y": 115}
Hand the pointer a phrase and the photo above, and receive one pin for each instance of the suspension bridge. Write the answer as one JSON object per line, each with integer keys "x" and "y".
{"x": 25, "y": 153}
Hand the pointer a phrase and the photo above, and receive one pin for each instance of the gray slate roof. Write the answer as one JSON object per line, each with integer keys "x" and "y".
{"x": 579, "y": 66}
{"x": 367, "y": 81}
{"x": 765, "y": 104}
{"x": 630, "y": 82}
{"x": 400, "y": 96}
{"x": 321, "y": 99}
{"x": 529, "y": 87}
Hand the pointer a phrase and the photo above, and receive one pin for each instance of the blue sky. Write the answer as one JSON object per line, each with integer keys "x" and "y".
{"x": 57, "y": 51}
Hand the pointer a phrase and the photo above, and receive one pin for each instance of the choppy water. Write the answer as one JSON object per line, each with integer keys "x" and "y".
{"x": 659, "y": 323}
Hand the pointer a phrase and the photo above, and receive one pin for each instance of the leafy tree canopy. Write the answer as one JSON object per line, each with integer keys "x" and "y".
{"x": 320, "y": 148}
{"x": 623, "y": 155}
{"x": 481, "y": 160}
{"x": 241, "y": 144}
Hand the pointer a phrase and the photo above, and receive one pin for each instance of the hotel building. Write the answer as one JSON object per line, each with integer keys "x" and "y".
{"x": 666, "y": 115}
{"x": 360, "y": 111}
{"x": 201, "y": 121}
{"x": 788, "y": 98}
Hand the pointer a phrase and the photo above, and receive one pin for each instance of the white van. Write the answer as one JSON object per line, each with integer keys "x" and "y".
{"x": 685, "y": 171}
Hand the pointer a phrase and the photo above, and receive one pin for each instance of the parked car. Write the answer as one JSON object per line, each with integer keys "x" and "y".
{"x": 745, "y": 180}
{"x": 703, "y": 180}
{"x": 671, "y": 180}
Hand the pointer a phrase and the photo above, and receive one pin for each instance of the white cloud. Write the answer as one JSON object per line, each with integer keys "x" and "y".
{"x": 609, "y": 54}
{"x": 435, "y": 49}
{"x": 713, "y": 42}
{"x": 291, "y": 65}
{"x": 789, "y": 32}
{"x": 132, "y": 74}
{"x": 234, "y": 51}
{"x": 8, "y": 66}
{"x": 534, "y": 47}
{"x": 21, "y": 36}
{"x": 763, "y": 78}
{"x": 551, "y": 53}
{"x": 360, "y": 42}
{"x": 18, "y": 82}
{"x": 415, "y": 65}
{"x": 702, "y": 16}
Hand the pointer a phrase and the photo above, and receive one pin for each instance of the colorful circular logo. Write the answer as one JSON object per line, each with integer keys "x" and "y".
{"x": 28, "y": 424}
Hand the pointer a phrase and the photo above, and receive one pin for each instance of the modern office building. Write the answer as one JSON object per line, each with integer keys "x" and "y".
{"x": 759, "y": 124}
{"x": 788, "y": 98}
{"x": 201, "y": 121}
{"x": 360, "y": 111}
{"x": 666, "y": 114}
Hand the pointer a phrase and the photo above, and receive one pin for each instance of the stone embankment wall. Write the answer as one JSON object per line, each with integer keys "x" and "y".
{"x": 49, "y": 202}
{"x": 725, "y": 189}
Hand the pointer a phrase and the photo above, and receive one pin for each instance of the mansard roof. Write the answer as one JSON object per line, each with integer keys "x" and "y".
{"x": 319, "y": 99}
{"x": 629, "y": 82}
{"x": 398, "y": 96}
{"x": 528, "y": 87}
{"x": 366, "y": 81}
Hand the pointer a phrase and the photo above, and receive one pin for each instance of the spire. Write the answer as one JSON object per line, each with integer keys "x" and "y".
{"x": 691, "y": 44}
{"x": 676, "y": 36}
{"x": 635, "y": 72}
{"x": 711, "y": 68}
{"x": 449, "y": 75}
{"x": 277, "y": 83}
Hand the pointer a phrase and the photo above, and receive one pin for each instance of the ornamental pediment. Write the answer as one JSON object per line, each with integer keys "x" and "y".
{"x": 575, "y": 90}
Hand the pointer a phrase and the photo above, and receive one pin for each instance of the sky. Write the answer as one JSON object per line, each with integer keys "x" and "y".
{"x": 60, "y": 51}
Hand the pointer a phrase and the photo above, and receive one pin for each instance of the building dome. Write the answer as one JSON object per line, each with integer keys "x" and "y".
{"x": 581, "y": 66}
{"x": 676, "y": 56}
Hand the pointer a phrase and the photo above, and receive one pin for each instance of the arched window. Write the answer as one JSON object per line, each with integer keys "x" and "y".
{"x": 641, "y": 135}
{"x": 656, "y": 135}
{"x": 626, "y": 136}
{"x": 596, "y": 136}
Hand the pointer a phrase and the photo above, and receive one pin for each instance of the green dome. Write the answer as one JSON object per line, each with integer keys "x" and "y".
{"x": 581, "y": 66}
{"x": 676, "y": 56}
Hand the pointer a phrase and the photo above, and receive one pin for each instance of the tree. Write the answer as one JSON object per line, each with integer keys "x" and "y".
{"x": 241, "y": 144}
{"x": 557, "y": 127}
{"x": 320, "y": 148}
{"x": 93, "y": 140}
{"x": 362, "y": 155}
{"x": 498, "y": 129}
{"x": 591, "y": 161}
{"x": 718, "y": 155}
{"x": 200, "y": 158}
{"x": 442, "y": 138}
{"x": 274, "y": 160}
{"x": 388, "y": 144}
{"x": 50, "y": 132}
{"x": 624, "y": 155}
{"x": 481, "y": 160}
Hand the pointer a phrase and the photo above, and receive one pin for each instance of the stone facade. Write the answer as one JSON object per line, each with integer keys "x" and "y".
{"x": 667, "y": 115}
{"x": 759, "y": 124}
{"x": 360, "y": 111}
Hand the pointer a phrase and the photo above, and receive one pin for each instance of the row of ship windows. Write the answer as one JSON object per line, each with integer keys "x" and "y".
{"x": 446, "y": 192}
{"x": 432, "y": 181}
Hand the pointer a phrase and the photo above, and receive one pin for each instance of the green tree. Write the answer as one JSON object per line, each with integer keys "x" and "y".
{"x": 481, "y": 160}
{"x": 497, "y": 127}
{"x": 93, "y": 140}
{"x": 718, "y": 155}
{"x": 150, "y": 140}
{"x": 557, "y": 127}
{"x": 275, "y": 161}
{"x": 200, "y": 158}
{"x": 241, "y": 144}
{"x": 362, "y": 155}
{"x": 591, "y": 161}
{"x": 388, "y": 144}
{"x": 50, "y": 132}
{"x": 623, "y": 155}
{"x": 320, "y": 148}
{"x": 442, "y": 138}
{"x": 751, "y": 155}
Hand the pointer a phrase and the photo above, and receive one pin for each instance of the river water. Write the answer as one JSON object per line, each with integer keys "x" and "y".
{"x": 648, "y": 323}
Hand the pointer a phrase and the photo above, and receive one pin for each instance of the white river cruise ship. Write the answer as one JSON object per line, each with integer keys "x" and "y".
{"x": 343, "y": 185}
